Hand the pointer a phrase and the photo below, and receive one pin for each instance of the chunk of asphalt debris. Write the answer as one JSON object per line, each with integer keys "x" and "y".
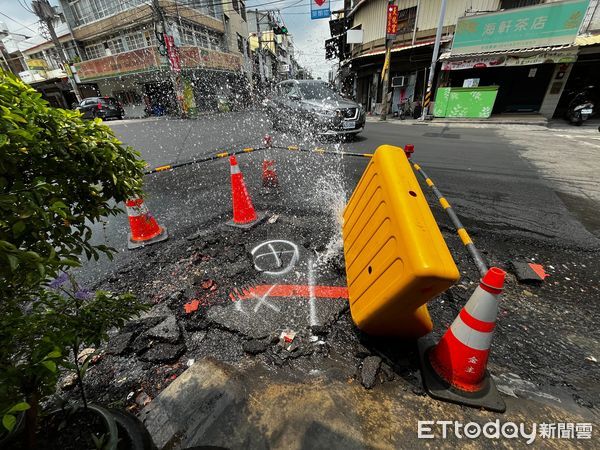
{"x": 528, "y": 272}
{"x": 368, "y": 373}
{"x": 163, "y": 352}
{"x": 319, "y": 330}
{"x": 119, "y": 343}
{"x": 166, "y": 331}
{"x": 256, "y": 346}
{"x": 141, "y": 325}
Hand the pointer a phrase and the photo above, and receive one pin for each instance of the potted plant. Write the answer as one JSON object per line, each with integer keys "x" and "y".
{"x": 58, "y": 175}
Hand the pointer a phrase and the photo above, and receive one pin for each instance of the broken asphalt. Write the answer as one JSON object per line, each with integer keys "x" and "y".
{"x": 211, "y": 343}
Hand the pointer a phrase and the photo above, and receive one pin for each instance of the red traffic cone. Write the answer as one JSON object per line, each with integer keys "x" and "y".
{"x": 144, "y": 228}
{"x": 455, "y": 369}
{"x": 244, "y": 215}
{"x": 409, "y": 149}
{"x": 269, "y": 175}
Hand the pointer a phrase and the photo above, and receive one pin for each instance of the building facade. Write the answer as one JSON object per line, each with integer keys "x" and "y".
{"x": 520, "y": 52}
{"x": 274, "y": 53}
{"x": 124, "y": 53}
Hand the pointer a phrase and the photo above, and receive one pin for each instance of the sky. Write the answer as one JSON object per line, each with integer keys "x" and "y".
{"x": 309, "y": 35}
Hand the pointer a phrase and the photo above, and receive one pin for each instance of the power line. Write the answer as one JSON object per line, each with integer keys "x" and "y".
{"x": 16, "y": 21}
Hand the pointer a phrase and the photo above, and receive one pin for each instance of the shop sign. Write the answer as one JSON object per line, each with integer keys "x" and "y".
{"x": 482, "y": 62}
{"x": 139, "y": 60}
{"x": 320, "y": 9}
{"x": 535, "y": 26}
{"x": 392, "y": 21}
{"x": 172, "y": 53}
{"x": 32, "y": 76}
{"x": 36, "y": 64}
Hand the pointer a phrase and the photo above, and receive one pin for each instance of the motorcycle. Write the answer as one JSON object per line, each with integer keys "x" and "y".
{"x": 581, "y": 107}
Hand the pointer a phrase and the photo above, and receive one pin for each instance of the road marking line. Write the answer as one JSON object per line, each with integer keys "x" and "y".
{"x": 296, "y": 290}
{"x": 311, "y": 294}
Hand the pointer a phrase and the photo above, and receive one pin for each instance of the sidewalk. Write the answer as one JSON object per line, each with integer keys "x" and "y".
{"x": 512, "y": 121}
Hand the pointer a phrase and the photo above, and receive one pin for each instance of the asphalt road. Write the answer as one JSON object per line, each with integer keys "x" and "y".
{"x": 479, "y": 170}
{"x": 510, "y": 208}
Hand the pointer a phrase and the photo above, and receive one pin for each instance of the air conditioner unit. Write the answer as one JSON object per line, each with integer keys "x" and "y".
{"x": 399, "y": 81}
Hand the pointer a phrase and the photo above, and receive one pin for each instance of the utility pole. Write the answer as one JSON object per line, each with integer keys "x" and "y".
{"x": 414, "y": 36}
{"x": 6, "y": 58}
{"x": 260, "y": 56}
{"x": 434, "y": 58}
{"x": 171, "y": 50}
{"x": 391, "y": 29}
{"x": 46, "y": 14}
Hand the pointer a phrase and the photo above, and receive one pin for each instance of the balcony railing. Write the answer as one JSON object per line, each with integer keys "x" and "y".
{"x": 149, "y": 59}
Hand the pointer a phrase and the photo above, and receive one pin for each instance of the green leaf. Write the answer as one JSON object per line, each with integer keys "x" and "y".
{"x": 50, "y": 365}
{"x": 23, "y": 406}
{"x": 18, "y": 228}
{"x": 13, "y": 261}
{"x": 9, "y": 421}
{"x": 54, "y": 354}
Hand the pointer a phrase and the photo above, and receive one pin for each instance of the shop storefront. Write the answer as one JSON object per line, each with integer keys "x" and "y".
{"x": 521, "y": 79}
{"x": 520, "y": 58}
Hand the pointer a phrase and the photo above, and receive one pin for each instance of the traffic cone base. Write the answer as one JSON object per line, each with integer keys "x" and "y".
{"x": 455, "y": 369}
{"x": 487, "y": 397}
{"x": 132, "y": 243}
{"x": 260, "y": 217}
{"x": 144, "y": 229}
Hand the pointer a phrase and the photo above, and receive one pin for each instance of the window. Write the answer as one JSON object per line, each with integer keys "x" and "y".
{"x": 215, "y": 42}
{"x": 135, "y": 41}
{"x": 86, "y": 11}
{"x": 187, "y": 35}
{"x": 202, "y": 39}
{"x": 243, "y": 10}
{"x": 116, "y": 45}
{"x": 95, "y": 51}
{"x": 406, "y": 20}
{"x": 511, "y": 4}
{"x": 240, "y": 43}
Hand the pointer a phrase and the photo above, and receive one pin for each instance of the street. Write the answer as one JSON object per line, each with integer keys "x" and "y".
{"x": 545, "y": 348}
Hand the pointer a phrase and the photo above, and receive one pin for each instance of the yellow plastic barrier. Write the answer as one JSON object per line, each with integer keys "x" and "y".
{"x": 396, "y": 256}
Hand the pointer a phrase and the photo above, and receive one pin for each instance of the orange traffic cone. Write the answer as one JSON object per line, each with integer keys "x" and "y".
{"x": 455, "y": 369}
{"x": 244, "y": 215}
{"x": 269, "y": 175}
{"x": 144, "y": 228}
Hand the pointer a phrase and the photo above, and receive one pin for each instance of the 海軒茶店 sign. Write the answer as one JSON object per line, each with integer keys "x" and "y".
{"x": 536, "y": 26}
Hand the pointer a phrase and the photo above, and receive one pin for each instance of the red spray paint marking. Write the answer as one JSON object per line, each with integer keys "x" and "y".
{"x": 539, "y": 270}
{"x": 191, "y": 306}
{"x": 290, "y": 290}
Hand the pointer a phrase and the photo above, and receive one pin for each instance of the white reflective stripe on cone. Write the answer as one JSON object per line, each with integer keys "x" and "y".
{"x": 135, "y": 211}
{"x": 471, "y": 338}
{"x": 235, "y": 169}
{"x": 483, "y": 306}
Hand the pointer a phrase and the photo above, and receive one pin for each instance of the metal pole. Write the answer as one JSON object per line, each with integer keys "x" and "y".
{"x": 460, "y": 229}
{"x": 261, "y": 68}
{"x": 385, "y": 74}
{"x": 434, "y": 58}
{"x": 414, "y": 37}
{"x": 174, "y": 77}
{"x": 45, "y": 13}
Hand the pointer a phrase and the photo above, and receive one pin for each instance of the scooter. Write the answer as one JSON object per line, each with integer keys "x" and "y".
{"x": 581, "y": 107}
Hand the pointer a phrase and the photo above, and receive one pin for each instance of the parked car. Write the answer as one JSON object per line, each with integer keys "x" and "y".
{"x": 314, "y": 106}
{"x": 102, "y": 107}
